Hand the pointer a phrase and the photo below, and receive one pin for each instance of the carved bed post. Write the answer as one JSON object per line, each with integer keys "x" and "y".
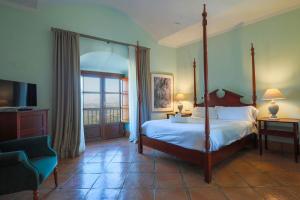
{"x": 253, "y": 87}
{"x": 208, "y": 164}
{"x": 195, "y": 87}
{"x": 140, "y": 142}
{"x": 253, "y": 76}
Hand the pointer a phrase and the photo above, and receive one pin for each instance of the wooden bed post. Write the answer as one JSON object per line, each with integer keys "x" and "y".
{"x": 253, "y": 76}
{"x": 208, "y": 164}
{"x": 254, "y": 97}
{"x": 195, "y": 87}
{"x": 139, "y": 81}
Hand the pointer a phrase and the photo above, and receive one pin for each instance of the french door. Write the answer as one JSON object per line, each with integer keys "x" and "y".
{"x": 102, "y": 105}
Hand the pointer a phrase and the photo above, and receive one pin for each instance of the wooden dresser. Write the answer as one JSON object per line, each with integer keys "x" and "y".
{"x": 20, "y": 124}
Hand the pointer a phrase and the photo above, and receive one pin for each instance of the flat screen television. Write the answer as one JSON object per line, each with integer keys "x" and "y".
{"x": 17, "y": 94}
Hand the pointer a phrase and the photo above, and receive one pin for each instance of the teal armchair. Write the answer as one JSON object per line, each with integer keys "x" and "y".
{"x": 25, "y": 164}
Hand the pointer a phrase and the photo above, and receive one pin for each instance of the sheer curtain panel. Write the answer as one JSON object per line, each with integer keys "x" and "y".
{"x": 133, "y": 106}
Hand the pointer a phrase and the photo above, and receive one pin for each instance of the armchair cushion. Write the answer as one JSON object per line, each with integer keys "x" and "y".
{"x": 44, "y": 166}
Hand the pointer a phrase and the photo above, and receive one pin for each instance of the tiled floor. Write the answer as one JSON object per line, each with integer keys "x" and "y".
{"x": 114, "y": 170}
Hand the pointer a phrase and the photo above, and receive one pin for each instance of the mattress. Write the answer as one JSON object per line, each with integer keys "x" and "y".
{"x": 191, "y": 135}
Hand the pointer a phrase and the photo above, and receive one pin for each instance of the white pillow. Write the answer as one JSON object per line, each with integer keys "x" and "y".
{"x": 248, "y": 113}
{"x": 178, "y": 119}
{"x": 199, "y": 112}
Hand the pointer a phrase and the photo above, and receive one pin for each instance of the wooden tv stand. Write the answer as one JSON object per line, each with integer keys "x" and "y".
{"x": 20, "y": 124}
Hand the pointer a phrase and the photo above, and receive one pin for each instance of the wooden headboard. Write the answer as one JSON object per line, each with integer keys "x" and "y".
{"x": 229, "y": 99}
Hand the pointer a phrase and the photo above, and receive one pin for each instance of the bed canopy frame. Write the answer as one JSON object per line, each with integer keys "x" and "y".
{"x": 206, "y": 159}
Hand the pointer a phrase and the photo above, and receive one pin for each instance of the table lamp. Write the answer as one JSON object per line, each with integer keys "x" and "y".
{"x": 272, "y": 95}
{"x": 179, "y": 97}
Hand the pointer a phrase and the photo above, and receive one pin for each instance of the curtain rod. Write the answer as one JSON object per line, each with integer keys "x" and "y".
{"x": 99, "y": 38}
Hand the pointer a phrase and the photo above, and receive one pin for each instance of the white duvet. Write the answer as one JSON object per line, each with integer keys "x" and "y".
{"x": 191, "y": 135}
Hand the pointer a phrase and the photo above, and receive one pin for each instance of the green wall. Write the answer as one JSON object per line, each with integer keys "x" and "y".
{"x": 26, "y": 41}
{"x": 277, "y": 45}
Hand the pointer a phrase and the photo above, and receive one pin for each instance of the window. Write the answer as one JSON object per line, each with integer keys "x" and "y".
{"x": 105, "y": 101}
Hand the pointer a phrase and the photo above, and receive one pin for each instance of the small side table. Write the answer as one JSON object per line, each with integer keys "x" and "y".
{"x": 182, "y": 114}
{"x": 264, "y": 129}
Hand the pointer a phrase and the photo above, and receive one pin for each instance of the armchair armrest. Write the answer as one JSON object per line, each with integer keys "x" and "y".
{"x": 12, "y": 158}
{"x": 33, "y": 147}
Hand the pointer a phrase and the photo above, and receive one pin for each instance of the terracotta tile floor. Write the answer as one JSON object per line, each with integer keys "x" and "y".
{"x": 114, "y": 170}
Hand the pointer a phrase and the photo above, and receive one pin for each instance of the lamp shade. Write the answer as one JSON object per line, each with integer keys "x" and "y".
{"x": 272, "y": 94}
{"x": 179, "y": 97}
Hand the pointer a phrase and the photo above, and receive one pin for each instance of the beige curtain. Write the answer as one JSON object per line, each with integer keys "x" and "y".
{"x": 66, "y": 94}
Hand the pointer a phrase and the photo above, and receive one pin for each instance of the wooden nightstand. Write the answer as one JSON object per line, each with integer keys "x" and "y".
{"x": 265, "y": 129}
{"x": 182, "y": 114}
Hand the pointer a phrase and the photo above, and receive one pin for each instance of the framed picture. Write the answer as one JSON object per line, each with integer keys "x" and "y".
{"x": 162, "y": 89}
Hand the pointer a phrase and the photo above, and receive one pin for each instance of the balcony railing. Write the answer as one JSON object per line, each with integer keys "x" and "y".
{"x": 98, "y": 116}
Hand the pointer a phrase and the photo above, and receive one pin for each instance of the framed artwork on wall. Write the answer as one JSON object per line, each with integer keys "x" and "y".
{"x": 162, "y": 90}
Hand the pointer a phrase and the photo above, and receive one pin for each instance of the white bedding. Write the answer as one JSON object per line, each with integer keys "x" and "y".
{"x": 191, "y": 135}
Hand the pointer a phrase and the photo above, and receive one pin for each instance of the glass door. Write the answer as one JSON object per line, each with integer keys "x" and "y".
{"x": 102, "y": 97}
{"x": 124, "y": 101}
{"x": 112, "y": 108}
{"x": 92, "y": 108}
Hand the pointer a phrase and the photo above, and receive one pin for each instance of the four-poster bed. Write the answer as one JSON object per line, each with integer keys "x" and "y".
{"x": 207, "y": 157}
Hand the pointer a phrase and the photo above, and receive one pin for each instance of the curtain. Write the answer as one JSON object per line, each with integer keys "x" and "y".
{"x": 146, "y": 80}
{"x": 82, "y": 139}
{"x": 133, "y": 106}
{"x": 67, "y": 122}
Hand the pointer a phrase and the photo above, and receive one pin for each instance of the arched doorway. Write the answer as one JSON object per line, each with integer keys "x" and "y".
{"x": 104, "y": 89}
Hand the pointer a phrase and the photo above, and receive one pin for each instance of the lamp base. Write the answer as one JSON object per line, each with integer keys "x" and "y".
{"x": 180, "y": 107}
{"x": 273, "y": 109}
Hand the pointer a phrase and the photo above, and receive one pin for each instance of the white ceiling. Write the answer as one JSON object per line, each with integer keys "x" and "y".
{"x": 176, "y": 23}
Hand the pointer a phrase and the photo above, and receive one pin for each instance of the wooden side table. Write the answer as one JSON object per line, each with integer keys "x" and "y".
{"x": 182, "y": 114}
{"x": 264, "y": 129}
